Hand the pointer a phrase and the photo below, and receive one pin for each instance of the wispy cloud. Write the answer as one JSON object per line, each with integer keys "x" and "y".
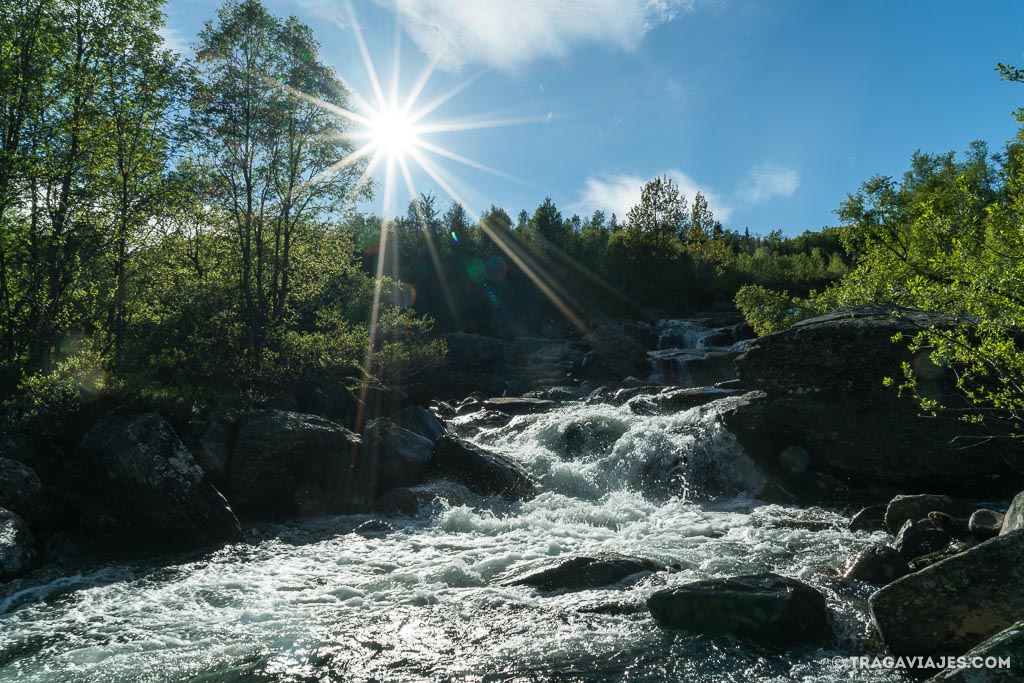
{"x": 174, "y": 40}
{"x": 767, "y": 181}
{"x": 619, "y": 193}
{"x": 507, "y": 34}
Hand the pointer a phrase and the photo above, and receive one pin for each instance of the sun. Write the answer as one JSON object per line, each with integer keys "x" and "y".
{"x": 393, "y": 133}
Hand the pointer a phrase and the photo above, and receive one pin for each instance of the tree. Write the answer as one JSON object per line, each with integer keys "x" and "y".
{"x": 661, "y": 214}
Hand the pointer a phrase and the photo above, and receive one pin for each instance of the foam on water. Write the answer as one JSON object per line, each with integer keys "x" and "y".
{"x": 313, "y": 601}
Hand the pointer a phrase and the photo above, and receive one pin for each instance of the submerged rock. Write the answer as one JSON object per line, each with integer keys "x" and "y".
{"x": 287, "y": 463}
{"x": 151, "y": 482}
{"x": 374, "y": 527}
{"x": 903, "y": 508}
{"x": 17, "y": 547}
{"x": 879, "y": 565}
{"x": 955, "y": 604}
{"x": 766, "y": 608}
{"x": 480, "y": 470}
{"x": 582, "y": 573}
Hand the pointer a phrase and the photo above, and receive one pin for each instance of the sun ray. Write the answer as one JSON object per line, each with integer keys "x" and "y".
{"x": 441, "y": 151}
{"x": 417, "y": 88}
{"x": 435, "y": 103}
{"x": 371, "y": 71}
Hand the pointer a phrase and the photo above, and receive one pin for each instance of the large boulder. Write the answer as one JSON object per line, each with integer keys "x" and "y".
{"x": 951, "y": 606}
{"x": 917, "y": 538}
{"x": 1006, "y": 647}
{"x": 421, "y": 421}
{"x": 1014, "y": 517}
{"x": 20, "y": 489}
{"x": 583, "y": 573}
{"x": 286, "y": 463}
{"x": 399, "y": 456}
{"x": 480, "y": 470}
{"x": 17, "y": 547}
{"x": 822, "y": 384}
{"x": 150, "y": 481}
{"x": 767, "y": 609}
{"x": 879, "y": 564}
{"x": 915, "y": 507}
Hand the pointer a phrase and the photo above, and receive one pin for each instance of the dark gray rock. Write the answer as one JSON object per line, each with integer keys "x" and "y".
{"x": 768, "y": 609}
{"x": 402, "y": 457}
{"x": 411, "y": 500}
{"x": 677, "y": 400}
{"x": 823, "y": 391}
{"x": 871, "y": 518}
{"x": 583, "y": 573}
{"x": 421, "y": 421}
{"x": 903, "y": 508}
{"x": 287, "y": 463}
{"x": 17, "y": 547}
{"x": 480, "y": 470}
{"x": 374, "y": 527}
{"x": 879, "y": 565}
{"x": 1014, "y": 518}
{"x": 920, "y": 538}
{"x": 150, "y": 481}
{"x": 20, "y": 489}
{"x": 955, "y": 604}
{"x": 952, "y": 526}
{"x": 518, "y": 405}
{"x": 214, "y": 449}
{"x": 985, "y": 524}
{"x": 1008, "y": 644}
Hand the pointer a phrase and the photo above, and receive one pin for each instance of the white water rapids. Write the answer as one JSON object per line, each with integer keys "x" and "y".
{"x": 314, "y": 601}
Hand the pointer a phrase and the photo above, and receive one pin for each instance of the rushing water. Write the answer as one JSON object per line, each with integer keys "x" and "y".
{"x": 314, "y": 601}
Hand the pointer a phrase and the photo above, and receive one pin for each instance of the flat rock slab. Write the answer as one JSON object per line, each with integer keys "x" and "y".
{"x": 582, "y": 573}
{"x": 955, "y": 604}
{"x": 765, "y": 608}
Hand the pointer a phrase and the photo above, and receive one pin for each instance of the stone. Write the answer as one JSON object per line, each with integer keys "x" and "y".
{"x": 20, "y": 489}
{"x": 583, "y": 573}
{"x": 147, "y": 477}
{"x": 421, "y": 421}
{"x": 402, "y": 457}
{"x": 1014, "y": 518}
{"x": 985, "y": 524}
{"x": 17, "y": 547}
{"x": 518, "y": 405}
{"x": 1008, "y": 644}
{"x": 871, "y": 518}
{"x": 285, "y": 463}
{"x": 903, "y": 508}
{"x": 879, "y": 565}
{"x": 955, "y": 604}
{"x": 920, "y": 538}
{"x": 767, "y": 609}
{"x": 481, "y": 470}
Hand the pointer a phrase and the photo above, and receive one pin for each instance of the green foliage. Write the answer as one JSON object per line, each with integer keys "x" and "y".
{"x": 769, "y": 311}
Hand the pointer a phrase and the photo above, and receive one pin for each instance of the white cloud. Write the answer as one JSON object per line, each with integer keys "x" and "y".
{"x": 618, "y": 194}
{"x": 510, "y": 33}
{"x": 767, "y": 181}
{"x": 174, "y": 40}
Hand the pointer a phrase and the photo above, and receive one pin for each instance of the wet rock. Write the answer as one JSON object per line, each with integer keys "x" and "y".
{"x": 470, "y": 405}
{"x": 879, "y": 565}
{"x": 151, "y": 482}
{"x": 518, "y": 405}
{"x": 1014, "y": 518}
{"x": 766, "y": 608}
{"x": 420, "y": 420}
{"x": 410, "y": 500}
{"x": 402, "y": 457}
{"x": 17, "y": 547}
{"x": 286, "y": 463}
{"x": 985, "y": 524}
{"x": 903, "y": 508}
{"x": 1008, "y": 644}
{"x": 559, "y": 393}
{"x": 955, "y": 604}
{"x": 677, "y": 400}
{"x": 918, "y": 563}
{"x": 480, "y": 470}
{"x": 871, "y": 518}
{"x": 951, "y": 526}
{"x": 583, "y": 573}
{"x": 585, "y": 436}
{"x": 920, "y": 538}
{"x": 214, "y": 449}
{"x": 374, "y": 527}
{"x": 823, "y": 391}
{"x": 20, "y": 489}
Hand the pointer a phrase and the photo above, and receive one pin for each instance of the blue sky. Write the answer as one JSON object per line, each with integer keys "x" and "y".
{"x": 775, "y": 110}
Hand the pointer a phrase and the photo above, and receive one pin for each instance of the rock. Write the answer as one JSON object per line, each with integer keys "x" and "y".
{"x": 17, "y": 547}
{"x": 287, "y": 463}
{"x": 402, "y": 457}
{"x": 677, "y": 400}
{"x": 985, "y": 524}
{"x": 481, "y": 471}
{"x": 583, "y": 573}
{"x": 955, "y": 604}
{"x": 822, "y": 390}
{"x": 903, "y": 508}
{"x": 766, "y": 608}
{"x": 918, "y": 563}
{"x": 584, "y": 436}
{"x": 1005, "y": 645}
{"x": 20, "y": 489}
{"x": 374, "y": 527}
{"x": 920, "y": 538}
{"x": 320, "y": 395}
{"x": 151, "y": 482}
{"x": 410, "y": 500}
{"x": 879, "y": 565}
{"x": 951, "y": 526}
{"x": 421, "y": 421}
{"x": 871, "y": 518}
{"x": 519, "y": 405}
{"x": 468, "y": 425}
{"x": 214, "y": 449}
{"x": 1014, "y": 518}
